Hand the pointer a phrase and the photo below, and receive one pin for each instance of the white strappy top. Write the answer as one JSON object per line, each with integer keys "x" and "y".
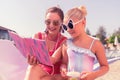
{"x": 80, "y": 59}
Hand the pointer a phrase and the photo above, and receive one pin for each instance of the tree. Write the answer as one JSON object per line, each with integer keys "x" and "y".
{"x": 88, "y": 31}
{"x": 101, "y": 34}
{"x": 115, "y": 33}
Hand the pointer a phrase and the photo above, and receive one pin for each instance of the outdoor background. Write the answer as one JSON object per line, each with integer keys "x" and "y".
{"x": 27, "y": 16}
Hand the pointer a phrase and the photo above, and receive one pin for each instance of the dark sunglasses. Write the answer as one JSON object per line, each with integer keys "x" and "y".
{"x": 70, "y": 24}
{"x": 54, "y": 22}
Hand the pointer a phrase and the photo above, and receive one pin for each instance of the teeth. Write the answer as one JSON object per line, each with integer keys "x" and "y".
{"x": 52, "y": 29}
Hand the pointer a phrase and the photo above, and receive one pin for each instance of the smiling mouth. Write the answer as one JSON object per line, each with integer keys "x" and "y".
{"x": 52, "y": 29}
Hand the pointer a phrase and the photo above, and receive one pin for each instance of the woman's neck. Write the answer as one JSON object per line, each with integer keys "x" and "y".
{"x": 53, "y": 37}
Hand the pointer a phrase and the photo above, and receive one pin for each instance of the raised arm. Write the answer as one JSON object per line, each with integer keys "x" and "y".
{"x": 57, "y": 55}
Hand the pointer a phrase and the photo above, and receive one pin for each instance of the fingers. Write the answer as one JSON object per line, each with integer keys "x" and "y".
{"x": 63, "y": 72}
{"x": 84, "y": 75}
{"x": 28, "y": 58}
{"x": 32, "y": 60}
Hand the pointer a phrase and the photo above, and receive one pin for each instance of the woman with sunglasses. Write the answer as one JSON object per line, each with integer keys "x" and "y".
{"x": 81, "y": 50}
{"x": 53, "y": 20}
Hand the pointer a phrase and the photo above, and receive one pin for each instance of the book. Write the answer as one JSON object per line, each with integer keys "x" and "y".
{"x": 35, "y": 47}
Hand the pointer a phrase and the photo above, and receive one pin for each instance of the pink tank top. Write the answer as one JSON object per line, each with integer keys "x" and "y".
{"x": 56, "y": 67}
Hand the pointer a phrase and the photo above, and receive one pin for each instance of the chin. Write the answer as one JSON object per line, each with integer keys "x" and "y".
{"x": 72, "y": 35}
{"x": 52, "y": 32}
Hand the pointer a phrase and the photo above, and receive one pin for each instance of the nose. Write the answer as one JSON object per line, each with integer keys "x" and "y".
{"x": 51, "y": 25}
{"x": 68, "y": 29}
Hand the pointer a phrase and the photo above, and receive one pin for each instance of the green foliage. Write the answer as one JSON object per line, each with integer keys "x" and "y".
{"x": 101, "y": 34}
{"x": 111, "y": 39}
{"x": 118, "y": 38}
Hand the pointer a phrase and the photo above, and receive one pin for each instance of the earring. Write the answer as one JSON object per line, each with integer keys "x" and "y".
{"x": 46, "y": 31}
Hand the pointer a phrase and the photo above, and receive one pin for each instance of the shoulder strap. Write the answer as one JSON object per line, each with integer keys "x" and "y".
{"x": 41, "y": 35}
{"x": 61, "y": 40}
{"x": 92, "y": 44}
{"x": 59, "y": 43}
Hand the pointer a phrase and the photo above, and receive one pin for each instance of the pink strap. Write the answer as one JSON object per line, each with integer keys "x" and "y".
{"x": 40, "y": 35}
{"x": 60, "y": 42}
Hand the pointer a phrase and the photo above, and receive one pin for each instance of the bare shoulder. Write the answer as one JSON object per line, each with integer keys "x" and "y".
{"x": 39, "y": 35}
{"x": 62, "y": 40}
{"x": 35, "y": 35}
{"x": 64, "y": 45}
{"x": 64, "y": 52}
{"x": 98, "y": 43}
{"x": 97, "y": 46}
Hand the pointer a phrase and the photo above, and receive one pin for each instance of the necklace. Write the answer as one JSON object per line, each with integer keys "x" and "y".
{"x": 52, "y": 44}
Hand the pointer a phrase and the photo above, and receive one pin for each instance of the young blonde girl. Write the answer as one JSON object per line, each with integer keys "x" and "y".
{"x": 81, "y": 50}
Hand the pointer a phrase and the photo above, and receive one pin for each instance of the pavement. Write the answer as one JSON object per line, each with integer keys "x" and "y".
{"x": 113, "y": 56}
{"x": 113, "y": 73}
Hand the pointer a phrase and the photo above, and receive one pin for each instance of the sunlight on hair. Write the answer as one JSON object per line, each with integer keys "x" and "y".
{"x": 83, "y": 9}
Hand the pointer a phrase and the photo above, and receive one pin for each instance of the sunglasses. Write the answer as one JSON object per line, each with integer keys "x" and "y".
{"x": 54, "y": 22}
{"x": 70, "y": 24}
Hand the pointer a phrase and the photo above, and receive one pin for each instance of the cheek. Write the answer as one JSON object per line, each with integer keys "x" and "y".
{"x": 76, "y": 32}
{"x": 71, "y": 33}
{"x": 58, "y": 28}
{"x": 47, "y": 26}
{"x": 78, "y": 29}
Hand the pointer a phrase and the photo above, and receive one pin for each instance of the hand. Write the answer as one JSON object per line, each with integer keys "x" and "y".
{"x": 63, "y": 71}
{"x": 86, "y": 76}
{"x": 32, "y": 60}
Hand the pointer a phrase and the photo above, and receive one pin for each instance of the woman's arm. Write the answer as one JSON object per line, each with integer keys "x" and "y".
{"x": 57, "y": 55}
{"x": 99, "y": 51}
{"x": 100, "y": 54}
{"x": 63, "y": 67}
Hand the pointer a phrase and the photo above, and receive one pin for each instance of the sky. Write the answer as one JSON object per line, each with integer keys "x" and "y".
{"x": 26, "y": 17}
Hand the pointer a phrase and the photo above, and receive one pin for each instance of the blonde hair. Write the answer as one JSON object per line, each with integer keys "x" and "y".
{"x": 83, "y": 10}
{"x": 77, "y": 12}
